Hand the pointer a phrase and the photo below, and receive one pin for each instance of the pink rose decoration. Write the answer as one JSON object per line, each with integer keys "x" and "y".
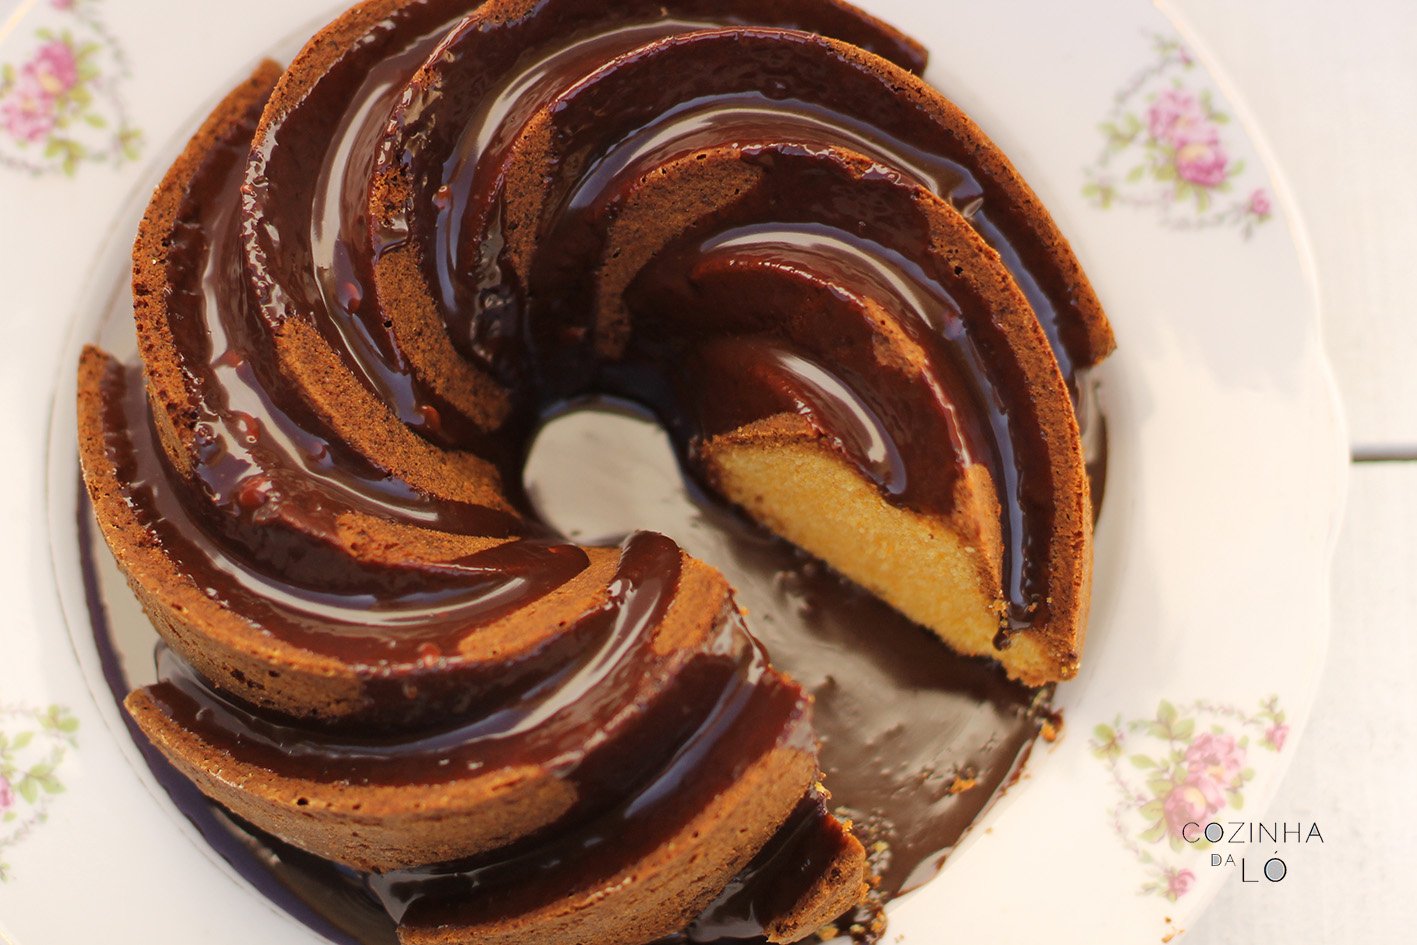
{"x": 1201, "y": 163}
{"x": 1276, "y": 734}
{"x": 1216, "y": 757}
{"x": 1178, "y": 884}
{"x": 1259, "y": 206}
{"x": 1192, "y": 802}
{"x": 27, "y": 113}
{"x": 1177, "y": 118}
{"x": 7, "y": 794}
{"x": 54, "y": 68}
{"x": 62, "y": 4}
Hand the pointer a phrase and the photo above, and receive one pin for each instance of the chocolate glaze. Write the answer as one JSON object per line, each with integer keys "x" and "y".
{"x": 745, "y": 720}
{"x": 284, "y": 233}
{"x": 776, "y": 879}
{"x": 549, "y": 723}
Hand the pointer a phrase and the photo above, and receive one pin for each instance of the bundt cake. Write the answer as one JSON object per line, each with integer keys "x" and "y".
{"x": 364, "y": 283}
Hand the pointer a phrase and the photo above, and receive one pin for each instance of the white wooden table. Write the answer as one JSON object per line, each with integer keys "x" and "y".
{"x": 1333, "y": 87}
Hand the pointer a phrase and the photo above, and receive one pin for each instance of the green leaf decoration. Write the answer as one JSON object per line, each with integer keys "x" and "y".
{"x": 22, "y": 739}
{"x": 1142, "y": 761}
{"x": 1184, "y": 729}
{"x": 1156, "y": 832}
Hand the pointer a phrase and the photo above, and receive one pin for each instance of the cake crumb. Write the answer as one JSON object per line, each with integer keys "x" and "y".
{"x": 960, "y": 785}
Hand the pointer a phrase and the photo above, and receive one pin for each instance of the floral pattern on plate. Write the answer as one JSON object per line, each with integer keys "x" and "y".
{"x": 1165, "y": 149}
{"x": 1181, "y": 768}
{"x": 60, "y": 106}
{"x": 33, "y": 743}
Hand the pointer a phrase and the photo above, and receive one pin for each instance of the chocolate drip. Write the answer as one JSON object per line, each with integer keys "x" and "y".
{"x": 778, "y": 877}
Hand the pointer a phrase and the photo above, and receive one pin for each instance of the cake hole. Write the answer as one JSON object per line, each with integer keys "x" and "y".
{"x": 600, "y": 471}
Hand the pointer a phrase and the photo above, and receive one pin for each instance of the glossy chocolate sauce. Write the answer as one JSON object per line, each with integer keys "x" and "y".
{"x": 502, "y": 147}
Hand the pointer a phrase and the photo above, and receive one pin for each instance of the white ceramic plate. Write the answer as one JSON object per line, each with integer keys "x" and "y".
{"x": 1224, "y": 489}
